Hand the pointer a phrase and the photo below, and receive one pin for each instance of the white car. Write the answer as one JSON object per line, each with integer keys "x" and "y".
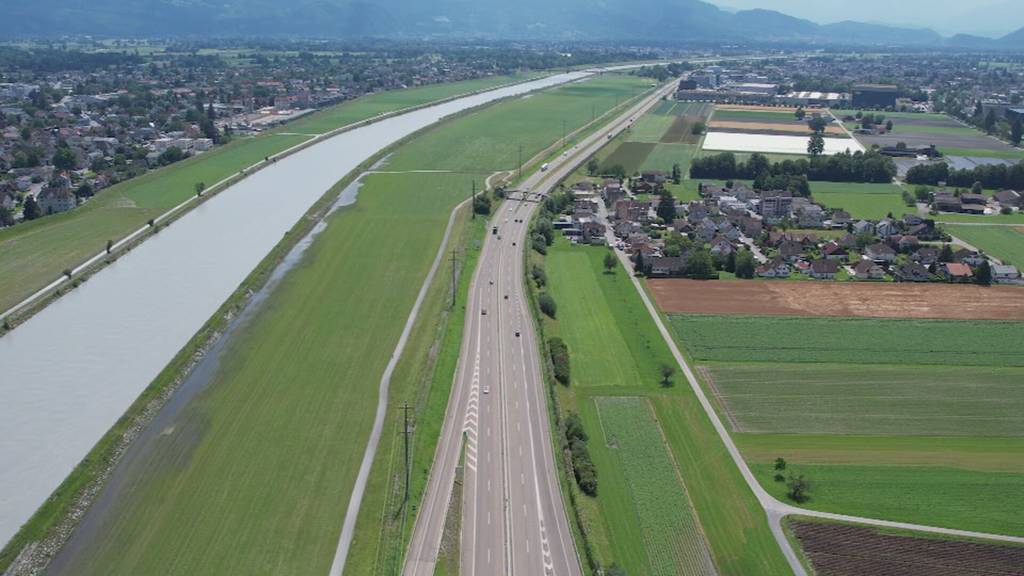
{"x": 487, "y": 389}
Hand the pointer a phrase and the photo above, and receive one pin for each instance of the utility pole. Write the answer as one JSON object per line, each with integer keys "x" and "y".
{"x": 520, "y": 161}
{"x": 405, "y": 410}
{"x": 563, "y": 132}
{"x": 473, "y": 201}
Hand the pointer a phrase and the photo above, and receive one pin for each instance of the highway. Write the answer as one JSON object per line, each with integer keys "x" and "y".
{"x": 514, "y": 519}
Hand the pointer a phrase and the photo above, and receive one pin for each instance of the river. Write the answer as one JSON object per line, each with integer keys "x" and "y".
{"x": 68, "y": 373}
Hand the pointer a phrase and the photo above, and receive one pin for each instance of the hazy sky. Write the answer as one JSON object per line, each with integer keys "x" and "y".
{"x": 985, "y": 17}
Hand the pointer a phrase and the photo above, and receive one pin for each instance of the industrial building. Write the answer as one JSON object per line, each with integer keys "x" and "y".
{"x": 875, "y": 96}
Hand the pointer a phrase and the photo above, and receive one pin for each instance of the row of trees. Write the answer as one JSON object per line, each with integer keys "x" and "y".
{"x": 582, "y": 465}
{"x": 990, "y": 176}
{"x": 845, "y": 167}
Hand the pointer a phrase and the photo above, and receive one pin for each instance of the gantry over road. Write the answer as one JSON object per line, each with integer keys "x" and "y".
{"x": 513, "y": 515}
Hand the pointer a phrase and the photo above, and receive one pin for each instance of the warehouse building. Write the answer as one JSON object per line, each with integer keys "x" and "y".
{"x": 875, "y": 96}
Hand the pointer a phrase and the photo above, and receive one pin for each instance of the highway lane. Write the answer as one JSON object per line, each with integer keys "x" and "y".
{"x": 514, "y": 519}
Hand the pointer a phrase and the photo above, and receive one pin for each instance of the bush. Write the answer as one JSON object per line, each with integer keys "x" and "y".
{"x": 583, "y": 467}
{"x": 539, "y": 276}
{"x": 539, "y": 244}
{"x": 547, "y": 305}
{"x": 559, "y": 359}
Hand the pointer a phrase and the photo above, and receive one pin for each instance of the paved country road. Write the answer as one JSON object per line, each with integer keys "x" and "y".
{"x": 513, "y": 516}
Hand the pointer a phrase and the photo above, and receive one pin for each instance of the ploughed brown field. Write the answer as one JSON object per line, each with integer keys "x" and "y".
{"x": 856, "y": 299}
{"x": 840, "y": 550}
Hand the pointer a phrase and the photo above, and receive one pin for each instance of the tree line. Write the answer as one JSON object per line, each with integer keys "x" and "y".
{"x": 998, "y": 176}
{"x": 845, "y": 167}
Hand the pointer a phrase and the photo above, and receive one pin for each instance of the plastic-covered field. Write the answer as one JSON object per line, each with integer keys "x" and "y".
{"x": 724, "y": 141}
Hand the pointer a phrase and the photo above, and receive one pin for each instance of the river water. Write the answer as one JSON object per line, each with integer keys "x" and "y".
{"x": 72, "y": 370}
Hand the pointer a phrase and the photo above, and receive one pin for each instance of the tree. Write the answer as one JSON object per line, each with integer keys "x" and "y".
{"x": 200, "y": 187}
{"x": 677, "y": 174}
{"x": 64, "y": 159}
{"x": 1016, "y": 131}
{"x": 666, "y": 208}
{"x": 639, "y": 266}
{"x": 888, "y": 125}
{"x": 818, "y": 124}
{"x": 816, "y": 145}
{"x": 6, "y": 217}
{"x": 593, "y": 166}
{"x": 699, "y": 264}
{"x": 984, "y": 274}
{"x": 547, "y": 305}
{"x": 798, "y": 487}
{"x": 745, "y": 264}
{"x": 780, "y": 463}
{"x": 615, "y": 570}
{"x": 990, "y": 121}
{"x": 110, "y": 246}
{"x": 977, "y": 188}
{"x": 946, "y": 254}
{"x": 901, "y": 146}
{"x": 609, "y": 262}
{"x": 482, "y": 204}
{"x": 698, "y": 128}
{"x": 800, "y": 113}
{"x": 666, "y": 371}
{"x": 31, "y": 210}
{"x": 84, "y": 191}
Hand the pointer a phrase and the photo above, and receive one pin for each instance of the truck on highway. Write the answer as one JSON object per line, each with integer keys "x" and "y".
{"x": 494, "y": 230}
{"x": 544, "y": 167}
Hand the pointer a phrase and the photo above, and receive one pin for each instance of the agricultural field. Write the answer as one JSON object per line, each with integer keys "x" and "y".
{"x": 672, "y": 537}
{"x": 853, "y": 550}
{"x": 854, "y": 341}
{"x": 664, "y": 156}
{"x": 867, "y": 201}
{"x": 271, "y": 412}
{"x": 630, "y": 155}
{"x": 1003, "y": 242}
{"x": 35, "y": 253}
{"x": 773, "y": 143}
{"x": 949, "y": 136}
{"x": 616, "y": 350}
{"x": 838, "y": 299}
{"x": 801, "y": 398}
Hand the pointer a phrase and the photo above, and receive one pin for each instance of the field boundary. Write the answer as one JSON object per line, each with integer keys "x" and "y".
{"x": 709, "y": 379}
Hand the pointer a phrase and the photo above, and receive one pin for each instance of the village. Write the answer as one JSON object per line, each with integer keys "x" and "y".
{"x": 735, "y": 231}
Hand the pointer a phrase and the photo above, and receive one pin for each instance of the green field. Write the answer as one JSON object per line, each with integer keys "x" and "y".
{"x": 630, "y": 155}
{"x": 871, "y": 399}
{"x": 35, "y": 253}
{"x": 933, "y": 496}
{"x": 1016, "y": 218}
{"x": 663, "y": 156}
{"x": 850, "y": 340}
{"x": 974, "y": 453}
{"x": 616, "y": 350}
{"x": 266, "y": 459}
{"x": 672, "y": 537}
{"x": 956, "y": 130}
{"x": 867, "y": 201}
{"x": 650, "y": 128}
{"x": 1003, "y": 242}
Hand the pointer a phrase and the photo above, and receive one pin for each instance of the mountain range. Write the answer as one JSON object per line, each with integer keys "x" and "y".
{"x": 676, "y": 21}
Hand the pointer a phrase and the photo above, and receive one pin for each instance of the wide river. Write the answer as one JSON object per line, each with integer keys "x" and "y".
{"x": 72, "y": 370}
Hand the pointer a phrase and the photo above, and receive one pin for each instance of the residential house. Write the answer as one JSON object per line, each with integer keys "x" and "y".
{"x": 912, "y": 272}
{"x": 880, "y": 253}
{"x": 1005, "y": 274}
{"x": 957, "y": 272}
{"x": 665, "y": 266}
{"x": 840, "y": 218}
{"x": 969, "y": 257}
{"x": 906, "y": 243}
{"x": 7, "y": 200}
{"x": 973, "y": 199}
{"x": 1009, "y": 198}
{"x": 834, "y": 251}
{"x": 57, "y": 196}
{"x": 945, "y": 202}
{"x": 776, "y": 205}
{"x": 925, "y": 256}
{"x": 721, "y": 247}
{"x": 593, "y": 233}
{"x": 912, "y": 220}
{"x": 811, "y": 216}
{"x": 752, "y": 227}
{"x": 886, "y": 227}
{"x": 790, "y": 250}
{"x": 777, "y": 268}
{"x": 824, "y": 269}
{"x": 862, "y": 227}
{"x": 868, "y": 270}
{"x": 706, "y": 230}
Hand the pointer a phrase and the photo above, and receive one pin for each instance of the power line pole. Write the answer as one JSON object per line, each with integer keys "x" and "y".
{"x": 520, "y": 161}
{"x": 563, "y": 133}
{"x": 454, "y": 275}
{"x": 405, "y": 410}
{"x": 473, "y": 195}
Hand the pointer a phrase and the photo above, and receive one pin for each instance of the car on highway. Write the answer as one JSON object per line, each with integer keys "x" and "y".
{"x": 487, "y": 389}
{"x": 483, "y": 311}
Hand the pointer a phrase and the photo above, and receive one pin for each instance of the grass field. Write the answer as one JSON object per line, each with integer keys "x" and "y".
{"x": 934, "y": 496}
{"x": 850, "y": 340}
{"x": 672, "y": 537}
{"x": 650, "y": 128}
{"x": 36, "y": 253}
{"x": 616, "y": 350}
{"x": 983, "y": 152}
{"x": 953, "y": 130}
{"x": 868, "y": 201}
{"x": 870, "y": 400}
{"x": 630, "y": 155}
{"x": 978, "y": 454}
{"x": 267, "y": 461}
{"x": 1003, "y": 242}
{"x": 663, "y": 156}
{"x": 1017, "y": 218}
